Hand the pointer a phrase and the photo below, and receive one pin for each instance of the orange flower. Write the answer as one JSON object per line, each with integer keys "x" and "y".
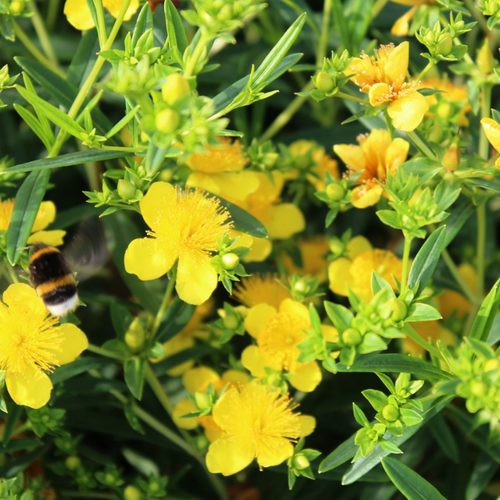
{"x": 402, "y": 25}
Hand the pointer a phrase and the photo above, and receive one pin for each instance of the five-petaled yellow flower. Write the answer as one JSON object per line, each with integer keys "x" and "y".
{"x": 46, "y": 215}
{"x": 376, "y": 154}
{"x": 31, "y": 343}
{"x": 259, "y": 289}
{"x": 78, "y": 13}
{"x": 256, "y": 422}
{"x": 492, "y": 130}
{"x": 185, "y": 226}
{"x": 383, "y": 78}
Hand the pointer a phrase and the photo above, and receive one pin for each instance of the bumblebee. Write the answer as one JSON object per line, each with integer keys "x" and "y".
{"x": 51, "y": 277}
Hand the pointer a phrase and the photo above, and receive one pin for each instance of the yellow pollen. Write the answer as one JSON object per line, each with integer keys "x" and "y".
{"x": 258, "y": 289}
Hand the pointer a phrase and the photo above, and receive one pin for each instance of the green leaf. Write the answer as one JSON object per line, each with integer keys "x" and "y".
{"x": 177, "y": 317}
{"x": 20, "y": 444}
{"x": 340, "y": 455}
{"x": 14, "y": 466}
{"x": 389, "y": 218}
{"x": 68, "y": 160}
{"x": 26, "y": 205}
{"x": 412, "y": 485}
{"x": 83, "y": 61}
{"x": 486, "y": 314}
{"x": 270, "y": 63}
{"x": 396, "y": 363}
{"x": 121, "y": 319}
{"x": 144, "y": 23}
{"x": 420, "y": 166}
{"x": 441, "y": 432}
{"x": 81, "y": 365}
{"x": 342, "y": 25}
{"x": 175, "y": 29}
{"x": 341, "y": 316}
{"x": 46, "y": 136}
{"x": 243, "y": 221}
{"x": 181, "y": 357}
{"x": 359, "y": 21}
{"x": 482, "y": 473}
{"x": 459, "y": 215}
{"x": 13, "y": 417}
{"x": 422, "y": 312}
{"x": 134, "y": 375}
{"x": 426, "y": 259}
{"x": 378, "y": 283}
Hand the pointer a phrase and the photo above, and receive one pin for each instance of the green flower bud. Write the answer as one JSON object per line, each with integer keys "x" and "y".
{"x": 444, "y": 110}
{"x": 135, "y": 336}
{"x": 126, "y": 190}
{"x": 226, "y": 13}
{"x": 398, "y": 309}
{"x": 451, "y": 158}
{"x": 72, "y": 463}
{"x": 300, "y": 462}
{"x": 336, "y": 246}
{"x": 166, "y": 175}
{"x": 445, "y": 44}
{"x": 335, "y": 192}
{"x": 174, "y": 88}
{"x": 351, "y": 337}
{"x": 274, "y": 380}
{"x": 485, "y": 58}
{"x": 230, "y": 261}
{"x": 492, "y": 364}
{"x": 231, "y": 322}
{"x": 202, "y": 401}
{"x": 390, "y": 413}
{"x": 478, "y": 388}
{"x": 167, "y": 121}
{"x": 300, "y": 286}
{"x": 16, "y": 7}
{"x": 325, "y": 82}
{"x": 132, "y": 493}
{"x": 435, "y": 134}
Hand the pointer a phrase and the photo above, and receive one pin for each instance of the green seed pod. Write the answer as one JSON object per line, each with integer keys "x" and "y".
{"x": 351, "y": 337}
{"x": 132, "y": 493}
{"x": 231, "y": 322}
{"x": 335, "y": 192}
{"x": 174, "y": 88}
{"x": 126, "y": 190}
{"x": 445, "y": 44}
{"x": 390, "y": 413}
{"x": 230, "y": 261}
{"x": 167, "y": 121}
{"x": 300, "y": 462}
{"x": 72, "y": 463}
{"x": 325, "y": 82}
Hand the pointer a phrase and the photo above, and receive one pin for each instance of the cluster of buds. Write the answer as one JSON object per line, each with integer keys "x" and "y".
{"x": 490, "y": 8}
{"x": 6, "y": 81}
{"x": 230, "y": 323}
{"x": 262, "y": 157}
{"x": 299, "y": 464}
{"x": 332, "y": 76}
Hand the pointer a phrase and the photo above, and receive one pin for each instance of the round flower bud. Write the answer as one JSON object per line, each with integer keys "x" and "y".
{"x": 230, "y": 261}
{"x": 478, "y": 388}
{"x": 166, "y": 175}
{"x": 202, "y": 401}
{"x": 226, "y": 13}
{"x": 274, "y": 380}
{"x": 300, "y": 286}
{"x": 231, "y": 322}
{"x": 444, "y": 110}
{"x": 167, "y": 121}
{"x": 174, "y": 88}
{"x": 485, "y": 58}
{"x": 336, "y": 246}
{"x": 399, "y": 309}
{"x": 135, "y": 336}
{"x": 351, "y": 337}
{"x": 16, "y": 7}
{"x": 126, "y": 190}
{"x": 335, "y": 192}
{"x": 72, "y": 463}
{"x": 300, "y": 462}
{"x": 132, "y": 493}
{"x": 451, "y": 158}
{"x": 445, "y": 44}
{"x": 492, "y": 364}
{"x": 390, "y": 413}
{"x": 325, "y": 82}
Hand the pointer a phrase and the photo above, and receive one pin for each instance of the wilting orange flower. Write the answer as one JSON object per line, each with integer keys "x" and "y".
{"x": 401, "y": 26}
{"x": 376, "y": 154}
{"x": 492, "y": 130}
{"x": 383, "y": 78}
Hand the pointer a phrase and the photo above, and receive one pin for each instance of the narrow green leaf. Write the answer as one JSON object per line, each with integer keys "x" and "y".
{"x": 144, "y": 23}
{"x": 482, "y": 473}
{"x": 15, "y": 413}
{"x": 341, "y": 316}
{"x": 340, "y": 455}
{"x": 26, "y": 205}
{"x": 81, "y": 365}
{"x": 20, "y": 444}
{"x": 178, "y": 316}
{"x": 359, "y": 22}
{"x": 134, "y": 375}
{"x": 14, "y": 466}
{"x": 486, "y": 315}
{"x": 68, "y": 160}
{"x": 420, "y": 166}
{"x": 341, "y": 25}
{"x": 36, "y": 126}
{"x": 83, "y": 60}
{"x": 121, "y": 319}
{"x": 441, "y": 432}
{"x": 422, "y": 312}
{"x": 175, "y": 28}
{"x": 243, "y": 221}
{"x": 459, "y": 215}
{"x": 378, "y": 283}
{"x": 412, "y": 485}
{"x": 427, "y": 258}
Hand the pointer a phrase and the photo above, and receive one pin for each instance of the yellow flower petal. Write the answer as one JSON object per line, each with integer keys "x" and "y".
{"x": 277, "y": 451}
{"x": 31, "y": 388}
{"x": 397, "y": 152}
{"x": 78, "y": 14}
{"x": 261, "y": 249}
{"x": 159, "y": 198}
{"x": 366, "y": 195}
{"x": 307, "y": 377}
{"x": 397, "y": 64}
{"x": 235, "y": 377}
{"x": 492, "y": 130}
{"x": 114, "y": 7}
{"x": 177, "y": 344}
{"x": 74, "y": 342}
{"x": 307, "y": 425}
{"x": 254, "y": 361}
{"x": 46, "y": 214}
{"x": 198, "y": 379}
{"x": 296, "y": 308}
{"x": 196, "y": 278}
{"x": 353, "y": 156}
{"x": 20, "y": 294}
{"x": 407, "y": 112}
{"x": 226, "y": 456}
{"x": 339, "y": 274}
{"x": 257, "y": 317}
{"x": 402, "y": 25}
{"x": 284, "y": 220}
{"x": 330, "y": 333}
{"x": 182, "y": 408}
{"x": 147, "y": 259}
{"x": 379, "y": 94}
{"x": 212, "y": 434}
{"x": 53, "y": 238}
{"x": 358, "y": 245}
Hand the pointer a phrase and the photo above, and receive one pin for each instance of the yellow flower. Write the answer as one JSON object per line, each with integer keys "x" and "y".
{"x": 428, "y": 330}
{"x": 492, "y": 130}
{"x": 220, "y": 171}
{"x": 355, "y": 271}
{"x": 78, "y": 13}
{"x": 376, "y": 154}
{"x": 185, "y": 225}
{"x": 32, "y": 343}
{"x": 261, "y": 289}
{"x": 256, "y": 423}
{"x": 278, "y": 332}
{"x": 314, "y": 263}
{"x": 383, "y": 78}
{"x": 401, "y": 26}
{"x": 185, "y": 339}
{"x": 46, "y": 215}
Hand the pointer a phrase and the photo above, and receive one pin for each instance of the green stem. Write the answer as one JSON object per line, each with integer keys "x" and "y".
{"x": 165, "y": 302}
{"x": 42, "y": 34}
{"x": 325, "y": 29}
{"x": 406, "y": 261}
{"x": 195, "y": 55}
{"x": 379, "y": 5}
{"x": 104, "y": 352}
{"x": 481, "y": 245}
{"x": 155, "y": 384}
{"x": 458, "y": 278}
{"x": 52, "y": 13}
{"x": 343, "y": 95}
{"x": 413, "y": 335}
{"x": 86, "y": 87}
{"x": 33, "y": 49}
{"x": 429, "y": 66}
{"x": 421, "y": 145}
{"x": 101, "y": 23}
{"x": 12, "y": 274}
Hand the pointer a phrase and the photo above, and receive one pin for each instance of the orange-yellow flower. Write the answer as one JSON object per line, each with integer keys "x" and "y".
{"x": 33, "y": 343}
{"x": 492, "y": 130}
{"x": 451, "y": 301}
{"x": 428, "y": 330}
{"x": 185, "y": 226}
{"x": 78, "y": 13}
{"x": 376, "y": 154}
{"x": 383, "y": 78}
{"x": 256, "y": 422}
{"x": 278, "y": 332}
{"x": 46, "y": 215}
{"x": 313, "y": 252}
{"x": 355, "y": 270}
{"x": 261, "y": 289}
{"x": 401, "y": 26}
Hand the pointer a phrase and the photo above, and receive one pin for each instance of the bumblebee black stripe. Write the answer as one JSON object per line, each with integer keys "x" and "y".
{"x": 59, "y": 295}
{"x": 46, "y": 264}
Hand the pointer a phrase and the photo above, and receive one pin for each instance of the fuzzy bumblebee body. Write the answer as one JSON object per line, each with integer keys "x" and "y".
{"x": 51, "y": 277}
